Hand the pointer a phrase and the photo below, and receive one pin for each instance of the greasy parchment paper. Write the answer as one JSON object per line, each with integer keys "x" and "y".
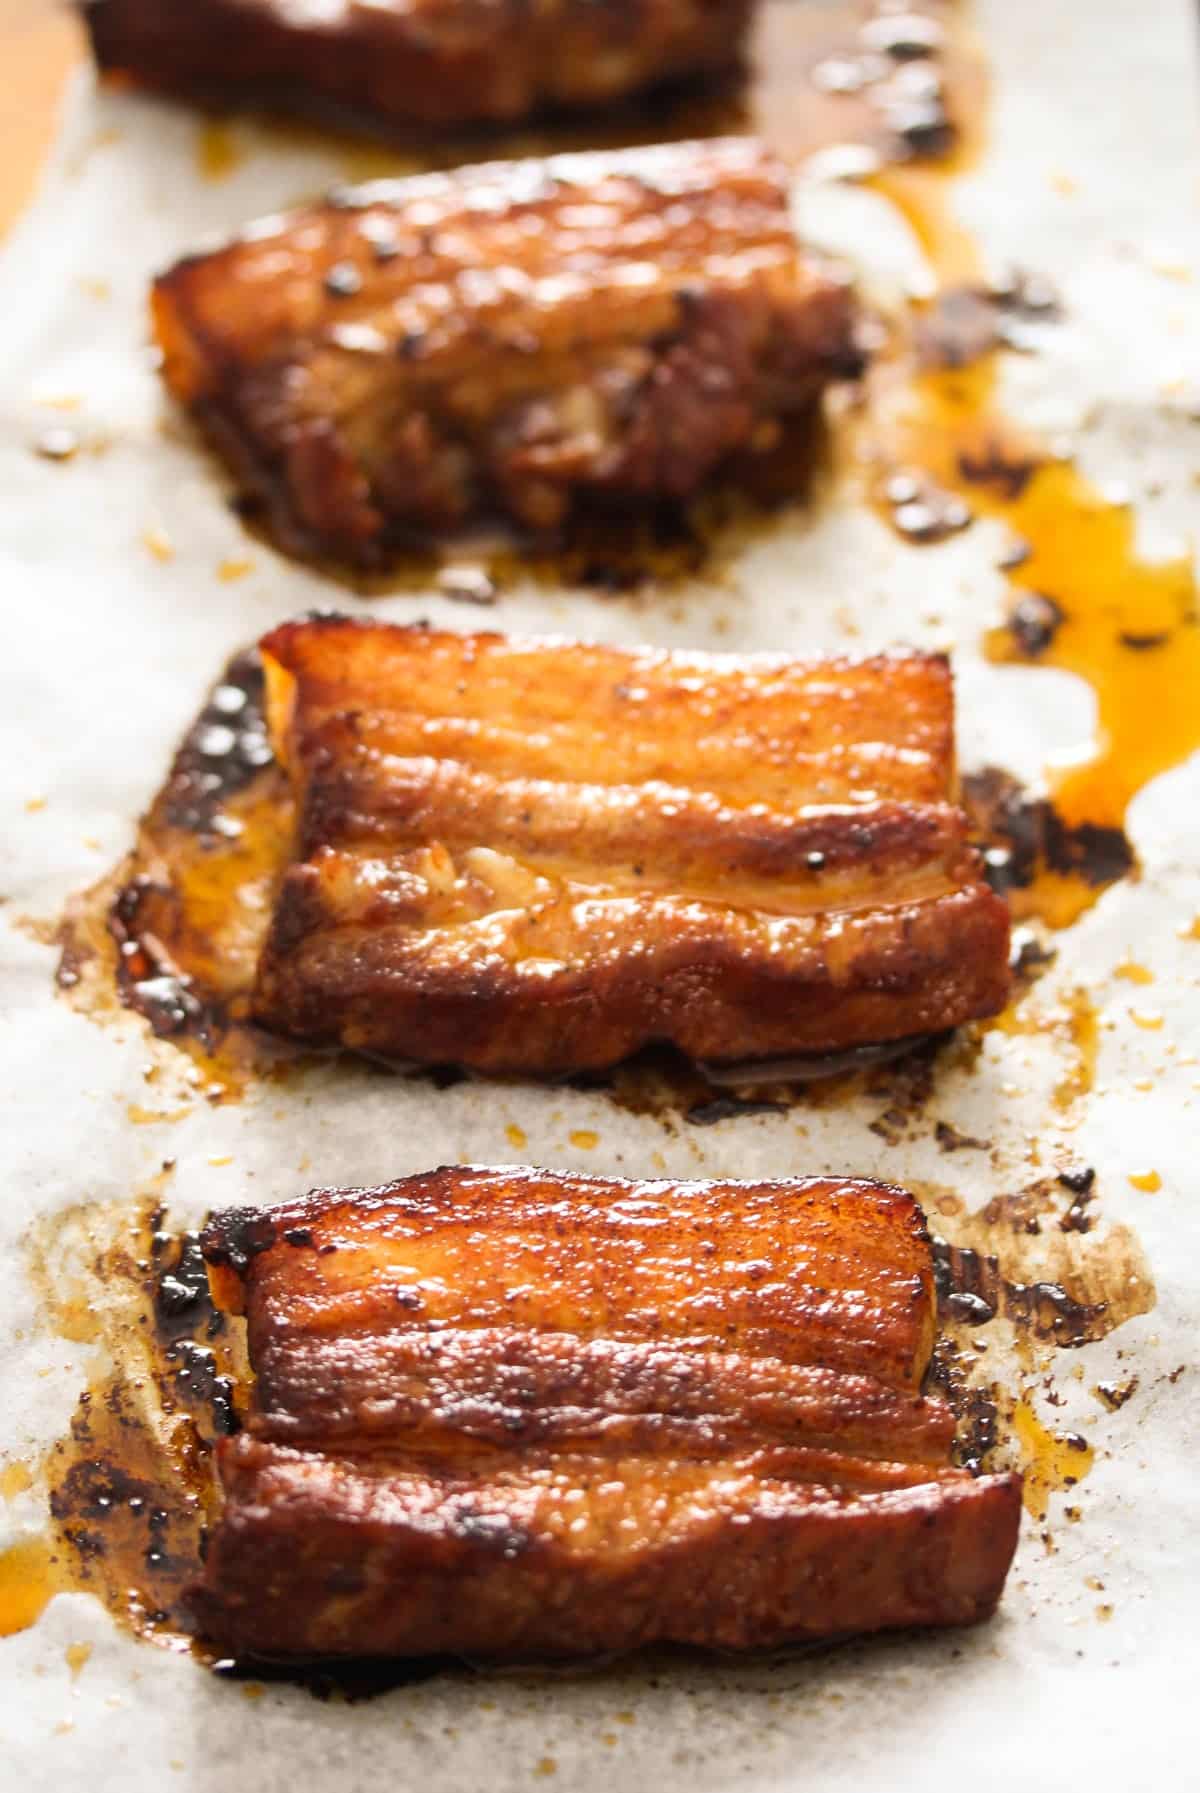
{"x": 1092, "y": 176}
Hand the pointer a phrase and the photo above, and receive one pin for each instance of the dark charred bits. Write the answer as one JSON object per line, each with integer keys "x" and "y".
{"x": 345, "y": 1679}
{"x": 903, "y": 35}
{"x": 343, "y": 280}
{"x": 130, "y": 1510}
{"x": 921, "y": 510}
{"x": 223, "y": 751}
{"x": 1142, "y": 644}
{"x": 1034, "y": 621}
{"x": 1008, "y": 472}
{"x": 895, "y": 68}
{"x": 1081, "y": 1184}
{"x": 951, "y": 1140}
{"x": 186, "y": 1321}
{"x": 146, "y": 981}
{"x": 724, "y": 1108}
{"x": 974, "y": 1407}
{"x": 971, "y": 1286}
{"x": 1022, "y": 835}
{"x": 964, "y": 323}
{"x": 1115, "y": 1394}
{"x": 235, "y": 1236}
{"x": 958, "y": 327}
{"x": 1029, "y": 958}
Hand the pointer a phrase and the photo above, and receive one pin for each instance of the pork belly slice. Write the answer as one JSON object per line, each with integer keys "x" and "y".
{"x": 393, "y": 64}
{"x": 652, "y": 1440}
{"x": 537, "y": 857}
{"x": 513, "y": 1556}
{"x": 508, "y": 338}
{"x": 807, "y": 1271}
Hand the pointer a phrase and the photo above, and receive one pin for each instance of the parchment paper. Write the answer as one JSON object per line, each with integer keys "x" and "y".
{"x": 1091, "y": 176}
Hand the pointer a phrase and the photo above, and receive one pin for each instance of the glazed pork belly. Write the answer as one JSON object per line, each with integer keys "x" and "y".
{"x": 537, "y": 857}
{"x": 395, "y": 64}
{"x": 507, "y": 1413}
{"x": 513, "y": 339}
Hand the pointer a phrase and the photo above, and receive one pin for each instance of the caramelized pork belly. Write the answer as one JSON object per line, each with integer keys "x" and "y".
{"x": 527, "y": 856}
{"x": 651, "y": 1440}
{"x": 510, "y": 337}
{"x": 806, "y": 1271}
{"x": 508, "y": 1555}
{"x": 393, "y": 64}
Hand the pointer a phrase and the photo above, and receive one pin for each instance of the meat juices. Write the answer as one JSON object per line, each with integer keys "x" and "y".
{"x": 535, "y": 857}
{"x": 515, "y": 338}
{"x": 508, "y": 1413}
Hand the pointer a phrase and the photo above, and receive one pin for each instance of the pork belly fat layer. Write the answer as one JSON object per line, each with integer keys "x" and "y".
{"x": 416, "y": 61}
{"x": 809, "y": 1271}
{"x": 537, "y": 857}
{"x": 508, "y": 337}
{"x": 506, "y": 1412}
{"x": 511, "y": 1557}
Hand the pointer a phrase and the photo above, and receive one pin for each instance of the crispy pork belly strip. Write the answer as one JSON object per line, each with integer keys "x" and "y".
{"x": 529, "y": 856}
{"x": 415, "y": 61}
{"x": 507, "y": 1386}
{"x": 510, "y": 337}
{"x": 516, "y": 1556}
{"x": 809, "y": 1270}
{"x": 504, "y": 1413}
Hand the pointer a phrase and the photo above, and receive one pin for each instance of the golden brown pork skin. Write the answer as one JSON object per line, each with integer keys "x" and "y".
{"x": 508, "y": 1413}
{"x": 535, "y": 857}
{"x": 513, "y": 337}
{"x": 393, "y": 66}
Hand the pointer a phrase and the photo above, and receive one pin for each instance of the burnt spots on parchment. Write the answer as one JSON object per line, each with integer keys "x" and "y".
{"x": 148, "y": 979}
{"x": 131, "y": 1485}
{"x": 1023, "y": 838}
{"x": 224, "y": 750}
{"x": 1036, "y": 1258}
{"x": 962, "y": 324}
{"x": 190, "y": 1329}
{"x": 177, "y": 927}
{"x": 972, "y": 1287}
{"x": 976, "y": 1404}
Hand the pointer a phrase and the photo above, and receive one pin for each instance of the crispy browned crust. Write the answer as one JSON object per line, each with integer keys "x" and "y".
{"x": 506, "y": 1413}
{"x": 537, "y": 857}
{"x": 461, "y": 62}
{"x": 514, "y": 337}
{"x": 847, "y": 1281}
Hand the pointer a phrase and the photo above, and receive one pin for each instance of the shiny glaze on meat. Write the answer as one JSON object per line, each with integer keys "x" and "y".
{"x": 537, "y": 857}
{"x": 409, "y": 62}
{"x": 848, "y": 1280}
{"x": 511, "y": 338}
{"x": 509, "y": 1413}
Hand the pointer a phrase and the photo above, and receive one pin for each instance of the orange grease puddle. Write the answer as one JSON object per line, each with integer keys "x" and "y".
{"x": 1075, "y": 1022}
{"x": 130, "y": 1487}
{"x": 29, "y": 1580}
{"x": 1128, "y": 625}
{"x": 1051, "y": 1464}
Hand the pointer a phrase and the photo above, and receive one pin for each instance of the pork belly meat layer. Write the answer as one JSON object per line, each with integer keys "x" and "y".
{"x": 503, "y": 1413}
{"x": 407, "y": 62}
{"x": 537, "y": 857}
{"x": 505, "y": 338}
